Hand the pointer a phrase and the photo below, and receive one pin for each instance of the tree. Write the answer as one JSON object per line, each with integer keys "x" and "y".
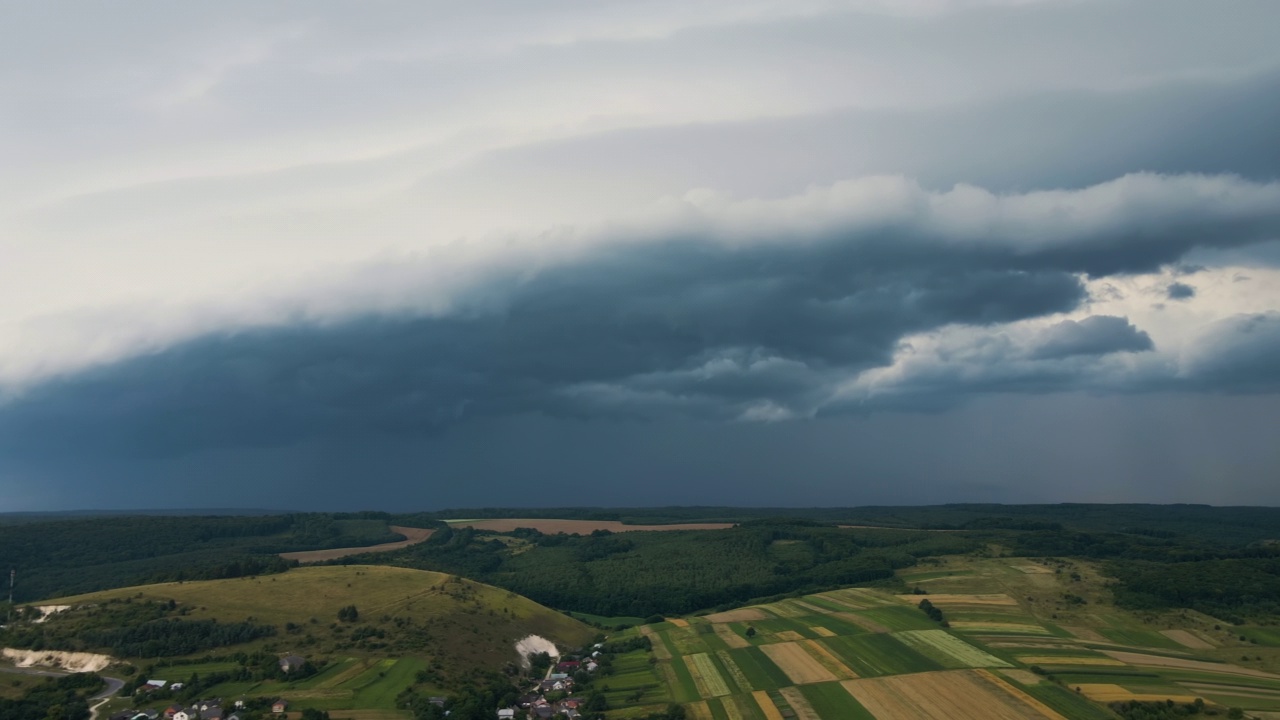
{"x": 751, "y": 632}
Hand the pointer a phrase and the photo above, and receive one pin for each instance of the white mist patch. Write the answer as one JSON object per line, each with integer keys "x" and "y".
{"x": 70, "y": 661}
{"x": 47, "y": 611}
{"x": 533, "y": 645}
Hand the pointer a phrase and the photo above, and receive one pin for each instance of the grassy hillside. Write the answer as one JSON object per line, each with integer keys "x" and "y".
{"x": 416, "y": 610}
{"x": 414, "y": 629}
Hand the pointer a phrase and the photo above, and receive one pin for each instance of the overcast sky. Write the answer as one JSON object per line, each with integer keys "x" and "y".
{"x": 325, "y": 255}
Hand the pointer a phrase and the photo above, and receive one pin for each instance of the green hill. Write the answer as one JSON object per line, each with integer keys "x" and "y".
{"x": 458, "y": 627}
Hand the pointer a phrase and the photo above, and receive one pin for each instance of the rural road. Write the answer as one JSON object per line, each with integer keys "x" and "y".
{"x": 95, "y": 702}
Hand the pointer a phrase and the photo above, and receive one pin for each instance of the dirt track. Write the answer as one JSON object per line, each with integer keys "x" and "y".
{"x": 414, "y": 535}
{"x": 577, "y": 527}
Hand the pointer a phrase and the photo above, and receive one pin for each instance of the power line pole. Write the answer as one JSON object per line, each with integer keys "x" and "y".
{"x": 13, "y": 575}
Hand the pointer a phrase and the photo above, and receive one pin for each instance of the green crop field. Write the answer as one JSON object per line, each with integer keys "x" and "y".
{"x": 831, "y": 700}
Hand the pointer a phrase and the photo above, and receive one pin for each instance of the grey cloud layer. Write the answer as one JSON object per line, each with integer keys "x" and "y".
{"x": 753, "y": 310}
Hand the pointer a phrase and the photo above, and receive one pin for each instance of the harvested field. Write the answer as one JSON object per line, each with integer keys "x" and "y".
{"x": 1187, "y": 639}
{"x": 413, "y": 536}
{"x": 577, "y": 527}
{"x": 735, "y": 673}
{"x": 1233, "y": 690}
{"x": 823, "y": 631}
{"x": 948, "y": 649}
{"x": 954, "y": 695}
{"x": 799, "y": 666}
{"x": 862, "y": 622}
{"x": 1033, "y": 569}
{"x": 1007, "y": 643}
{"x": 1106, "y": 692}
{"x": 660, "y": 650}
{"x": 678, "y": 622}
{"x": 789, "y": 635}
{"x": 730, "y": 638}
{"x": 1068, "y": 660}
{"x": 829, "y": 660}
{"x": 1131, "y": 658}
{"x": 1026, "y": 677}
{"x": 943, "y": 599}
{"x": 767, "y": 707}
{"x": 999, "y": 627}
{"x": 799, "y": 705}
{"x": 699, "y": 711}
{"x": 740, "y": 615}
{"x": 1085, "y": 633}
{"x": 810, "y": 608}
{"x": 705, "y": 676}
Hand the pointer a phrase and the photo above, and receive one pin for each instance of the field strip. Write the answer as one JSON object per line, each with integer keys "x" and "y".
{"x": 668, "y": 676}
{"x": 1068, "y": 660}
{"x": 1019, "y": 694}
{"x": 812, "y": 609}
{"x": 660, "y": 650}
{"x": 413, "y": 536}
{"x": 549, "y": 526}
{"x": 1130, "y": 658}
{"x": 700, "y": 711}
{"x": 1187, "y": 639}
{"x": 1003, "y": 642}
{"x": 1214, "y": 689}
{"x": 1034, "y": 569}
{"x": 1026, "y": 677}
{"x": 785, "y": 609}
{"x": 948, "y": 646}
{"x": 730, "y": 638}
{"x": 798, "y": 665}
{"x": 735, "y": 673}
{"x": 829, "y": 661}
{"x": 678, "y": 622}
{"x": 705, "y": 675}
{"x": 946, "y": 695}
{"x": 1106, "y": 692}
{"x": 953, "y": 599}
{"x": 789, "y": 635}
{"x": 767, "y": 707}
{"x": 1085, "y": 633}
{"x": 824, "y": 632}
{"x": 799, "y": 705}
{"x": 731, "y": 709}
{"x": 750, "y": 614}
{"x": 864, "y": 623}
{"x": 980, "y": 626}
{"x": 348, "y": 673}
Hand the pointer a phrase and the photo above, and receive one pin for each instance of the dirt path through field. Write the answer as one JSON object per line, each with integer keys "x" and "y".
{"x": 413, "y": 537}
{"x": 576, "y": 527}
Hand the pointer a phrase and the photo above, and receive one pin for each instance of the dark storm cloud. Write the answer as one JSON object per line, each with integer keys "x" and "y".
{"x": 695, "y": 324}
{"x": 1180, "y": 291}
{"x": 1096, "y": 335}
{"x": 1239, "y": 354}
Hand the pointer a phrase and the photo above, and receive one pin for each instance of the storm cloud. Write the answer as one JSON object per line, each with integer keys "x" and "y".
{"x": 412, "y": 233}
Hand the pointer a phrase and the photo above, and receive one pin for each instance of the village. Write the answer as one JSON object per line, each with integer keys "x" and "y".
{"x": 551, "y": 696}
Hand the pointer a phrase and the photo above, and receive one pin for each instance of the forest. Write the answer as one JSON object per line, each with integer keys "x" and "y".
{"x": 63, "y": 698}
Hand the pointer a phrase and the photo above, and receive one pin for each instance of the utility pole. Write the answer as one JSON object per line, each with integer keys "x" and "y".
{"x": 13, "y": 575}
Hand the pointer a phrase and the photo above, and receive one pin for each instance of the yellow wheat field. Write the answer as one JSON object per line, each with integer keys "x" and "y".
{"x": 705, "y": 676}
{"x": 824, "y": 632}
{"x": 798, "y": 665}
{"x": 678, "y": 622}
{"x": 750, "y": 614}
{"x": 1106, "y": 692}
{"x": 943, "y": 599}
{"x": 730, "y": 638}
{"x": 799, "y": 705}
{"x": 946, "y": 695}
{"x": 788, "y": 635}
{"x": 828, "y": 660}
{"x": 767, "y": 708}
{"x": 1187, "y": 638}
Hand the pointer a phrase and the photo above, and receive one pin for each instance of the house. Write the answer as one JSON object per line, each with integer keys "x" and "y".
{"x": 568, "y": 666}
{"x": 592, "y": 667}
{"x": 147, "y": 715}
{"x": 187, "y": 715}
{"x": 292, "y": 663}
{"x": 572, "y": 714}
{"x": 177, "y": 686}
{"x": 543, "y": 711}
{"x": 528, "y": 699}
{"x": 170, "y": 711}
{"x": 213, "y": 712}
{"x": 150, "y": 685}
{"x": 279, "y": 706}
{"x": 506, "y": 714}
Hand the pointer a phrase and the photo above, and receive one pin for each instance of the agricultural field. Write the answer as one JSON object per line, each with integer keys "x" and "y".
{"x": 576, "y": 527}
{"x": 1017, "y": 638}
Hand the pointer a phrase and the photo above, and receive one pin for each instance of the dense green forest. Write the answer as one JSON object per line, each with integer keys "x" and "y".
{"x": 63, "y": 698}
{"x": 78, "y": 555}
{"x": 645, "y": 573}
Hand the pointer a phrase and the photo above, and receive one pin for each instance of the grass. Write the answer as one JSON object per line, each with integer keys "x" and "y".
{"x": 606, "y": 621}
{"x": 1066, "y": 703}
{"x": 873, "y": 655}
{"x": 758, "y": 669}
{"x": 831, "y": 700}
{"x": 899, "y": 617}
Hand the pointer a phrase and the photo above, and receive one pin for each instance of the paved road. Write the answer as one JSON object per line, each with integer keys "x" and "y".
{"x": 95, "y": 702}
